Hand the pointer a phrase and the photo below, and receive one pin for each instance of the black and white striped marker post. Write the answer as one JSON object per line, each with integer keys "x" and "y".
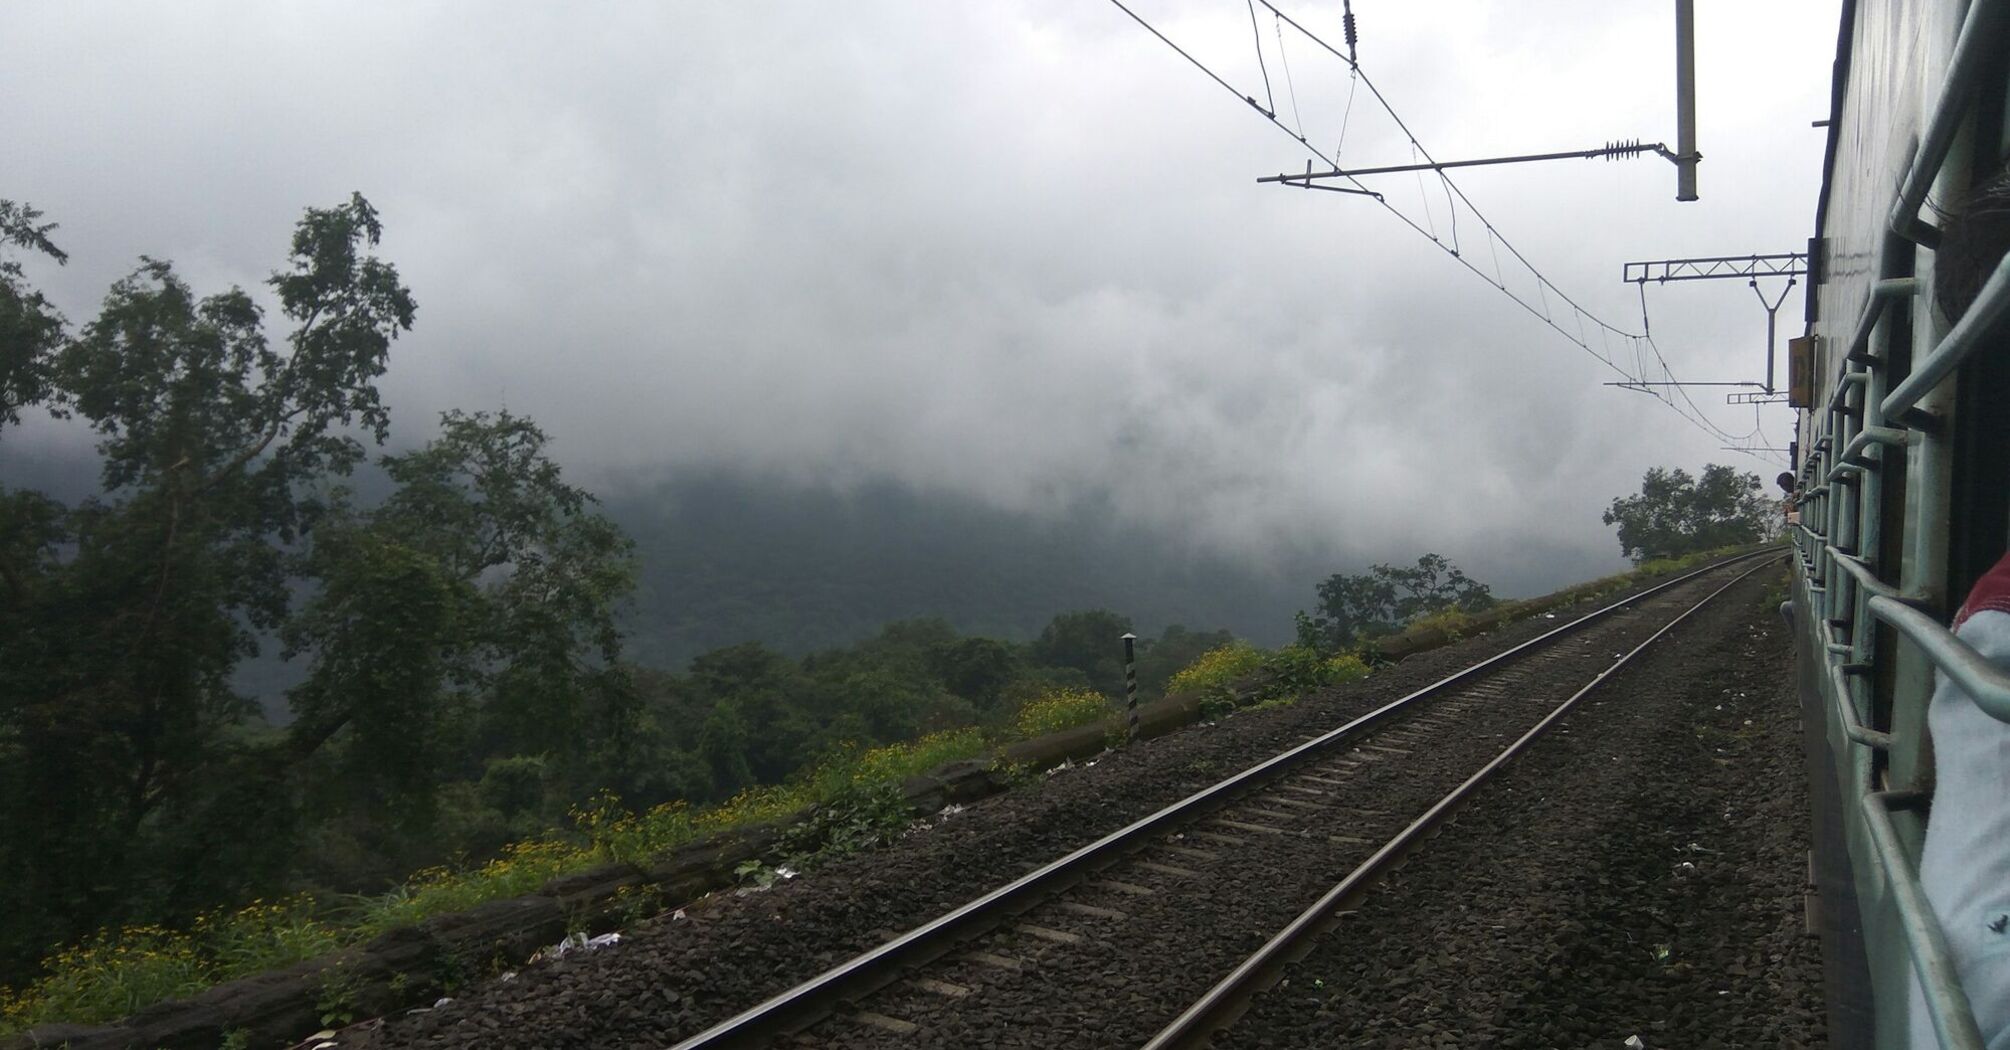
{"x": 1131, "y": 682}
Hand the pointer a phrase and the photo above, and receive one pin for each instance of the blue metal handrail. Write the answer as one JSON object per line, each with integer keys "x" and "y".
{"x": 1982, "y": 321}
{"x": 1947, "y": 1004}
{"x": 1988, "y": 684}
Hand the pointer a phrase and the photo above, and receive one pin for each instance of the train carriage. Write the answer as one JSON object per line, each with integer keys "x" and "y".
{"x": 1904, "y": 478}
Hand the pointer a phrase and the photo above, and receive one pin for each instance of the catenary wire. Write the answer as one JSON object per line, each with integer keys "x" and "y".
{"x": 1284, "y": 57}
{"x": 1694, "y": 414}
{"x": 1258, "y": 35}
{"x": 1544, "y": 284}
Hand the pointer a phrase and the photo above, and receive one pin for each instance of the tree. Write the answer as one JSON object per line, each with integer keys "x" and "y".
{"x": 126, "y": 615}
{"x": 31, "y": 330}
{"x": 1385, "y": 598}
{"x": 1090, "y": 641}
{"x": 976, "y": 669}
{"x": 1675, "y": 514}
{"x": 484, "y": 583}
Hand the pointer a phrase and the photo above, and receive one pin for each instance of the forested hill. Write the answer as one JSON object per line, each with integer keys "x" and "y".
{"x": 728, "y": 558}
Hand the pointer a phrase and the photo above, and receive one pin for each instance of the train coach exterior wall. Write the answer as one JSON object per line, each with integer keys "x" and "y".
{"x": 408, "y": 967}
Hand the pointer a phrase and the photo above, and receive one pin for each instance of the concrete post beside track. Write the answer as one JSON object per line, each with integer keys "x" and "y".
{"x": 1131, "y": 684}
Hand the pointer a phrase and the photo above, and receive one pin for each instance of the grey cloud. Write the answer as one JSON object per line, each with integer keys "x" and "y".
{"x": 1011, "y": 251}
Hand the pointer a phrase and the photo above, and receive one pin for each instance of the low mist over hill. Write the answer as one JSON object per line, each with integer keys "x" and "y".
{"x": 728, "y": 557}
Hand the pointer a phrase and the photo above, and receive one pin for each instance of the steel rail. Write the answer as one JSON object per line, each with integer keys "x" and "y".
{"x": 1229, "y": 995}
{"x": 872, "y": 969}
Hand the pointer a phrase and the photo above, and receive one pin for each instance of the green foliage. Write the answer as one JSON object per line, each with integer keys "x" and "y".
{"x": 853, "y": 798}
{"x": 1217, "y": 669}
{"x": 453, "y": 607}
{"x": 263, "y": 936}
{"x": 1090, "y": 641}
{"x": 1345, "y": 667}
{"x": 30, "y": 328}
{"x": 859, "y": 818}
{"x": 107, "y": 977}
{"x": 127, "y": 614}
{"x": 484, "y": 586}
{"x": 523, "y": 867}
{"x": 1062, "y": 709}
{"x": 469, "y": 615}
{"x": 1296, "y": 670}
{"x": 117, "y": 972}
{"x": 1240, "y": 677}
{"x": 339, "y": 1002}
{"x": 1385, "y": 599}
{"x": 1217, "y": 704}
{"x": 1676, "y": 514}
{"x": 976, "y": 669}
{"x": 1175, "y": 649}
{"x": 1454, "y": 622}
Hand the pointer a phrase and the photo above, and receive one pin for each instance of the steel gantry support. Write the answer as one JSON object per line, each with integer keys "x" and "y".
{"x": 1783, "y": 264}
{"x": 1790, "y": 265}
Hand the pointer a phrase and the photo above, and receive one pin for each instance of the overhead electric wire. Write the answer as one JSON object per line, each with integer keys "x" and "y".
{"x": 1353, "y": 82}
{"x": 1419, "y": 147}
{"x": 1544, "y": 285}
{"x": 1284, "y": 57}
{"x": 1405, "y": 219}
{"x": 1258, "y": 35}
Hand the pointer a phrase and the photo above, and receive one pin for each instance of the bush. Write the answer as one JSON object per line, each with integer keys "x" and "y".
{"x": 1217, "y": 669}
{"x": 522, "y": 868}
{"x": 861, "y": 816}
{"x": 1062, "y": 709}
{"x": 1345, "y": 667}
{"x": 108, "y": 977}
{"x": 1293, "y": 669}
{"x": 115, "y": 974}
{"x": 1454, "y": 622}
{"x": 261, "y": 936}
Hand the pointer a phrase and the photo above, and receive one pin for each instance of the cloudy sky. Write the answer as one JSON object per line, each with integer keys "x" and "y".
{"x": 1010, "y": 250}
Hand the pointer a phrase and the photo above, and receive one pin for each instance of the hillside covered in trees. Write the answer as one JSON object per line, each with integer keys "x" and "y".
{"x": 724, "y": 558}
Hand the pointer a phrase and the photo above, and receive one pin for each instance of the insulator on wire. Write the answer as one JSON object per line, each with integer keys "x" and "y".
{"x": 1624, "y": 148}
{"x": 1353, "y": 37}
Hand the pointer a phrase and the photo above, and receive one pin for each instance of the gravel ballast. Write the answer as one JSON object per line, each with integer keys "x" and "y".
{"x": 673, "y": 976}
{"x": 1641, "y": 876}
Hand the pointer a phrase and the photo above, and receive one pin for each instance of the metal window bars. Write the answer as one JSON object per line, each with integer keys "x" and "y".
{"x": 1867, "y": 426}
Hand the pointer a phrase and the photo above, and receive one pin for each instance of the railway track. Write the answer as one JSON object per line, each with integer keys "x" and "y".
{"x": 1159, "y": 933}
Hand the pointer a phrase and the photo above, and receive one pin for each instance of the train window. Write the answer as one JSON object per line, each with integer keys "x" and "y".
{"x": 1976, "y": 235}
